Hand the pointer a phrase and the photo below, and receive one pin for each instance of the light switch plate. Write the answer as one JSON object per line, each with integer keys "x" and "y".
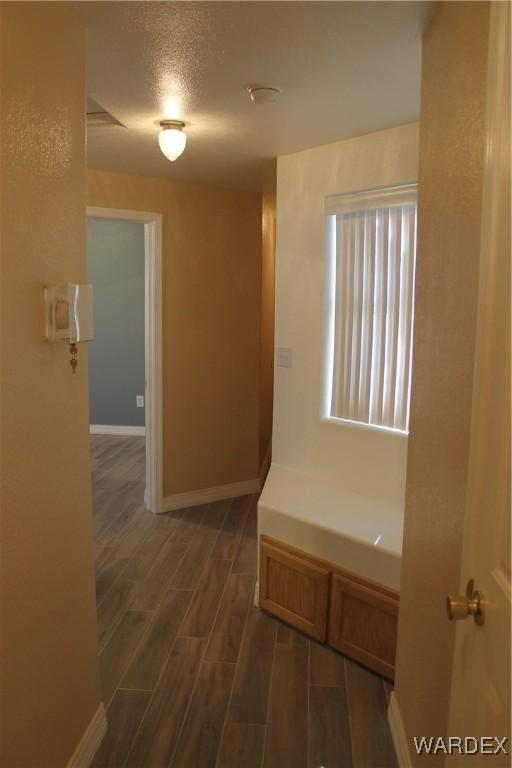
{"x": 139, "y": 399}
{"x": 285, "y": 357}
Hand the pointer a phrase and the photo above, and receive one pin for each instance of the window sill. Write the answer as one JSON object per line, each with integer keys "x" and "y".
{"x": 367, "y": 427}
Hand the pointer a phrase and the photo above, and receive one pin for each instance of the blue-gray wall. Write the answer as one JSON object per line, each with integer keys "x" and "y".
{"x": 115, "y": 263}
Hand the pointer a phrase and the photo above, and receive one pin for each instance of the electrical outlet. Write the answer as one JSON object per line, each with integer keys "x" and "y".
{"x": 139, "y": 399}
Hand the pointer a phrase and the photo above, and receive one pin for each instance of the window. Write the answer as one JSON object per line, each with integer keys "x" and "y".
{"x": 371, "y": 239}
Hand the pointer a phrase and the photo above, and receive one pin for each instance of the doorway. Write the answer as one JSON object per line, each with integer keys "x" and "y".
{"x": 143, "y": 409}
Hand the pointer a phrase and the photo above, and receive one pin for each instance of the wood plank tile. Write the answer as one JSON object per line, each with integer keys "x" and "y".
{"x": 242, "y": 746}
{"x": 327, "y": 666}
{"x": 189, "y": 521}
{"x": 329, "y": 737}
{"x": 246, "y": 560}
{"x": 249, "y": 702}
{"x": 132, "y": 537}
{"x": 103, "y": 557}
{"x": 229, "y": 626}
{"x": 287, "y": 729}
{"x": 112, "y": 608}
{"x": 156, "y": 644}
{"x": 288, "y": 636}
{"x": 216, "y": 514}
{"x": 201, "y": 616}
{"x": 138, "y": 644}
{"x": 142, "y": 560}
{"x": 117, "y": 653}
{"x": 231, "y": 531}
{"x": 157, "y": 737}
{"x": 200, "y": 739}
{"x": 149, "y": 593}
{"x": 107, "y": 573}
{"x": 371, "y": 739}
{"x": 124, "y": 715}
{"x": 115, "y": 504}
{"x": 189, "y": 572}
{"x": 115, "y": 521}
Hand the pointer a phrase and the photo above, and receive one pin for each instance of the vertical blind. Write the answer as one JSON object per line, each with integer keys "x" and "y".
{"x": 373, "y": 274}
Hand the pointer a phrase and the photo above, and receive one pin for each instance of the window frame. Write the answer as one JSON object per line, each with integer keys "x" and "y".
{"x": 351, "y": 202}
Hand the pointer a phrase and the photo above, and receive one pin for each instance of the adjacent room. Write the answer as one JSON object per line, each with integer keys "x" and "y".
{"x": 116, "y": 271}
{"x": 256, "y": 470}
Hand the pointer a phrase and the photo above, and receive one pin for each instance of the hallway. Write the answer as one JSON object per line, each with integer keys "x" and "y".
{"x": 193, "y": 675}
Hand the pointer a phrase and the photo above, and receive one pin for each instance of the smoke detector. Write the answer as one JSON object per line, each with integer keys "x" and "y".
{"x": 265, "y": 94}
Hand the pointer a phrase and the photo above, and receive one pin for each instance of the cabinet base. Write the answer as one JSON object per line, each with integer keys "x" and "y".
{"x": 352, "y": 614}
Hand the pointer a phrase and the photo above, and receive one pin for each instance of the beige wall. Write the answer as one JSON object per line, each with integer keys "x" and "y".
{"x": 268, "y": 259}
{"x": 450, "y": 191}
{"x": 49, "y": 676}
{"x": 211, "y": 321}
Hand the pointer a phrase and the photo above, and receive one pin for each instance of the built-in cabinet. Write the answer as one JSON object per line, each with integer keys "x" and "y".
{"x": 348, "y": 612}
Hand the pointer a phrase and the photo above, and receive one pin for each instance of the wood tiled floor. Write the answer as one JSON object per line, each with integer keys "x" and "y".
{"x": 193, "y": 675}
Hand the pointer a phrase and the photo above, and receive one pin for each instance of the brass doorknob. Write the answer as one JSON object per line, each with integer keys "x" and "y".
{"x": 471, "y": 604}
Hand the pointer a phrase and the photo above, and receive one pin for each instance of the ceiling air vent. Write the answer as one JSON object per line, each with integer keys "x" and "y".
{"x": 97, "y": 117}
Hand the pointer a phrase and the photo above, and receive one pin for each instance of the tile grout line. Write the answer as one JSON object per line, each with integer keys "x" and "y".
{"x": 164, "y": 666}
{"x": 108, "y": 636}
{"x": 153, "y": 693}
{"x": 246, "y": 523}
{"x": 187, "y": 709}
{"x": 129, "y": 608}
{"x": 167, "y": 658}
{"x": 208, "y": 559}
{"x": 230, "y": 699}
{"x": 146, "y": 631}
{"x": 200, "y": 528}
{"x": 118, "y": 516}
{"x": 220, "y": 604}
{"x": 163, "y": 669}
{"x": 208, "y": 640}
{"x": 270, "y": 693}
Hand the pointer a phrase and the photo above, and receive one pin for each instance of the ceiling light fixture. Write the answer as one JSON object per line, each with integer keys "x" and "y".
{"x": 172, "y": 138}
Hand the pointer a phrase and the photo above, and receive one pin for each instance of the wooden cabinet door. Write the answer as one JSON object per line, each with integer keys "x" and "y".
{"x": 362, "y": 624}
{"x": 294, "y": 589}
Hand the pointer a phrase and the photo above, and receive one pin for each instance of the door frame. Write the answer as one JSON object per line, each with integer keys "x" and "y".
{"x": 153, "y": 496}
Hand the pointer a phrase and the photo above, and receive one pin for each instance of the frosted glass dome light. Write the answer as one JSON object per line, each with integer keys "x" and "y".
{"x": 172, "y": 139}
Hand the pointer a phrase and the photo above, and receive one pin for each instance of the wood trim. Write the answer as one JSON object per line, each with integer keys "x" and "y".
{"x": 342, "y": 572}
{"x": 397, "y": 728}
{"x": 154, "y": 408}
{"x": 207, "y": 495}
{"x": 114, "y": 429}
{"x": 294, "y": 589}
{"x": 363, "y": 624}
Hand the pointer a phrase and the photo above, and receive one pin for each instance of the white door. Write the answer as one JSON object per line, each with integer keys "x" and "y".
{"x": 480, "y": 693}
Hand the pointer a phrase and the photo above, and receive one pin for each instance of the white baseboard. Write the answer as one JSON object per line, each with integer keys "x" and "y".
{"x": 113, "y": 429}
{"x": 396, "y": 726}
{"x": 84, "y": 753}
{"x": 216, "y": 493}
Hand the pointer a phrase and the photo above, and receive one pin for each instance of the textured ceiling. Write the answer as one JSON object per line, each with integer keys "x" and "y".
{"x": 345, "y": 69}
